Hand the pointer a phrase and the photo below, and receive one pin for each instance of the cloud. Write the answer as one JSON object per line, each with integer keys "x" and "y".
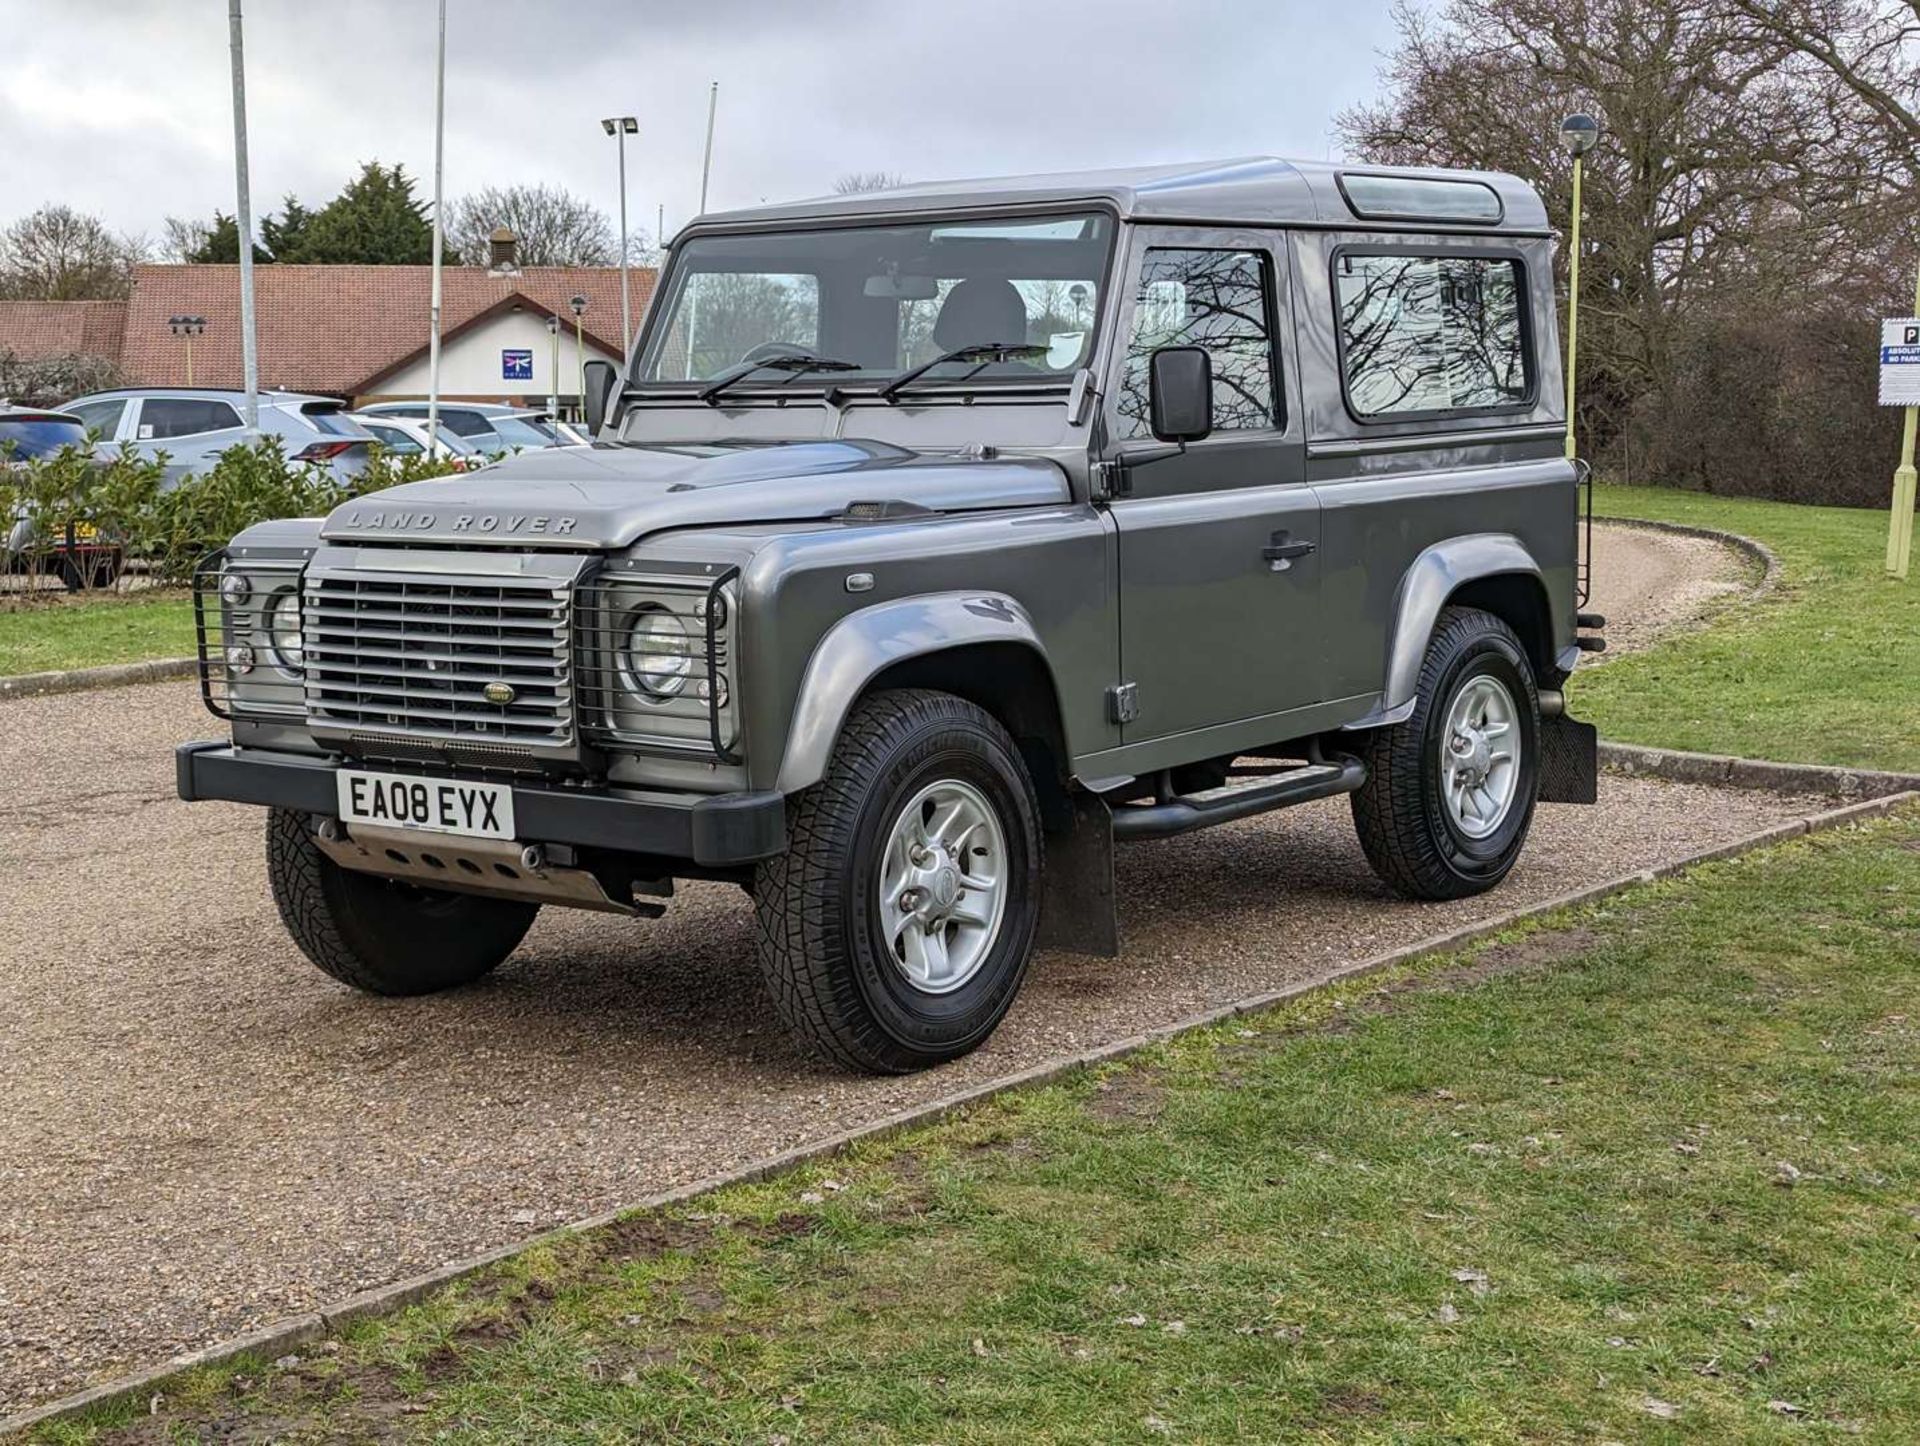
{"x": 122, "y": 107}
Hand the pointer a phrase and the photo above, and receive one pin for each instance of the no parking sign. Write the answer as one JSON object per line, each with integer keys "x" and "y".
{"x": 1900, "y": 362}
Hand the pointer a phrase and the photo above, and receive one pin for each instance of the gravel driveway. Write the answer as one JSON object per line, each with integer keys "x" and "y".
{"x": 202, "y": 1133}
{"x": 1649, "y": 583}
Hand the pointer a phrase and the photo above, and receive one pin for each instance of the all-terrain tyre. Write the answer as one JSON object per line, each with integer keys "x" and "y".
{"x": 381, "y": 935}
{"x": 1443, "y": 814}
{"x": 896, "y": 929}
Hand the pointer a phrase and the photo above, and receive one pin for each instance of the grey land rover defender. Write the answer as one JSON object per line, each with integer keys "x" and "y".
{"x": 932, "y": 542}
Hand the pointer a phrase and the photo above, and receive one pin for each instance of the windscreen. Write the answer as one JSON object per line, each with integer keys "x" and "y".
{"x": 38, "y": 437}
{"x": 881, "y": 299}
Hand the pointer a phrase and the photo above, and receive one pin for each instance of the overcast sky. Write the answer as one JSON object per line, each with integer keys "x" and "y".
{"x": 121, "y": 107}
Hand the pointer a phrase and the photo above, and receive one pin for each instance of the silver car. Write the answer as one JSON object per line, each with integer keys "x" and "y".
{"x": 194, "y": 425}
{"x": 402, "y": 436}
{"x": 490, "y": 427}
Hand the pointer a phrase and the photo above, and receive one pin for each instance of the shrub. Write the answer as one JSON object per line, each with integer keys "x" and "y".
{"x": 165, "y": 531}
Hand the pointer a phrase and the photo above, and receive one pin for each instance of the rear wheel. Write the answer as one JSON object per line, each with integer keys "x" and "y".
{"x": 381, "y": 935}
{"x": 1449, "y": 794}
{"x": 898, "y": 926}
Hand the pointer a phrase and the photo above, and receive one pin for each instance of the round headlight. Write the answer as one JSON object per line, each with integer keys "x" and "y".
{"x": 659, "y": 654}
{"x": 235, "y": 588}
{"x": 283, "y": 629}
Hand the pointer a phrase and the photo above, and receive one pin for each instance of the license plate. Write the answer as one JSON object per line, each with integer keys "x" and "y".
{"x": 430, "y": 805}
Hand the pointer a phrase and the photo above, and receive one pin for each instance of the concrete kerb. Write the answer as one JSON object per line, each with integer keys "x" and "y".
{"x": 285, "y": 1336}
{"x": 1719, "y": 771}
{"x": 112, "y": 675}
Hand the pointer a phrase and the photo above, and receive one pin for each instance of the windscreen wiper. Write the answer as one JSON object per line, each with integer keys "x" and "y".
{"x": 798, "y": 363}
{"x": 982, "y": 352}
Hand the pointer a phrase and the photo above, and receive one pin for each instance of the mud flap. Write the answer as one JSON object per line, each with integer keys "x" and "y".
{"x": 1569, "y": 761}
{"x": 1077, "y": 912}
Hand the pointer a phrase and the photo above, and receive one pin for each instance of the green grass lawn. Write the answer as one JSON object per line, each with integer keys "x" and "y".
{"x": 62, "y": 634}
{"x": 1826, "y": 670}
{"x": 1648, "y": 1174}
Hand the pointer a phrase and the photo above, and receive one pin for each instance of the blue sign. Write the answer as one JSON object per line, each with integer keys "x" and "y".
{"x": 516, "y": 364}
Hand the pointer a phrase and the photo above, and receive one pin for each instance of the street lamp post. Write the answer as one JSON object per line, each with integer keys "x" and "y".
{"x": 620, "y": 127}
{"x": 187, "y": 328}
{"x": 578, "y": 304}
{"x": 553, "y": 355}
{"x": 1580, "y": 133}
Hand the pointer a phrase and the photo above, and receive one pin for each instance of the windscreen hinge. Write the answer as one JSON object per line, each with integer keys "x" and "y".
{"x": 1109, "y": 480}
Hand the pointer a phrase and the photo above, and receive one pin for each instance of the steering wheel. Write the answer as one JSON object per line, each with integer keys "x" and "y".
{"x": 768, "y": 350}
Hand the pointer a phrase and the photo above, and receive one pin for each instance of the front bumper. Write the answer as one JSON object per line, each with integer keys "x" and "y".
{"x": 713, "y": 830}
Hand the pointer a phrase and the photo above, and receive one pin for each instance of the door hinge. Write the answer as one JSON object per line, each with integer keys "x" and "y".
{"x": 1110, "y": 481}
{"x": 1123, "y": 702}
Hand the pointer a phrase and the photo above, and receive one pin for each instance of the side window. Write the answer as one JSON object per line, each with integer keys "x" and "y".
{"x": 1425, "y": 335}
{"x": 1221, "y": 300}
{"x": 162, "y": 417}
{"x": 101, "y": 417}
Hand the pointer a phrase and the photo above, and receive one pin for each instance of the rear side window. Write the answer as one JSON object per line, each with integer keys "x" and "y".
{"x": 1428, "y": 335}
{"x": 38, "y": 437}
{"x": 101, "y": 417}
{"x": 1220, "y": 300}
{"x": 466, "y": 424}
{"x": 162, "y": 417}
{"x": 394, "y": 440}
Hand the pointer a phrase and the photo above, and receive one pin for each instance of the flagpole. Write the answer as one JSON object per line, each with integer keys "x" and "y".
{"x": 439, "y": 159}
{"x": 243, "y": 222}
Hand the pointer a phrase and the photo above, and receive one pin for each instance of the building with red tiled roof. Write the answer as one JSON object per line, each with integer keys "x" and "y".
{"x": 35, "y": 329}
{"x": 350, "y": 331}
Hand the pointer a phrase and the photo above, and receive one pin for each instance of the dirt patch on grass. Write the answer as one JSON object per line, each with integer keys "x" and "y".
{"x": 1133, "y": 1096}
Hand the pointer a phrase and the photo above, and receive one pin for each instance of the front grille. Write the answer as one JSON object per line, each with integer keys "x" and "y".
{"x": 415, "y": 655}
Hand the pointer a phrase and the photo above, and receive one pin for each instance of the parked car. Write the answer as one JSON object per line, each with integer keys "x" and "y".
{"x": 492, "y": 427}
{"x": 194, "y": 425}
{"x": 936, "y": 541}
{"x": 407, "y": 437}
{"x": 70, "y": 548}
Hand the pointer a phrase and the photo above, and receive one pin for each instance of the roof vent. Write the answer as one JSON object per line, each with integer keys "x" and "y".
{"x": 501, "y": 246}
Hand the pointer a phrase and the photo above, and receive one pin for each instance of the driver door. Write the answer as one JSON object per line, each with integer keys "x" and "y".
{"x": 1219, "y": 564}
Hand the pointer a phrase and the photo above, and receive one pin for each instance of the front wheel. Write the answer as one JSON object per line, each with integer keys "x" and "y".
{"x": 896, "y": 929}
{"x": 1449, "y": 794}
{"x": 381, "y": 935}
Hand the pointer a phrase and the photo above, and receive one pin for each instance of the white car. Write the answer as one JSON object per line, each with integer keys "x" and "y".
{"x": 407, "y": 437}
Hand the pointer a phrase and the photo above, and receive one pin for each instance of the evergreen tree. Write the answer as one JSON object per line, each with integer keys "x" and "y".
{"x": 374, "y": 221}
{"x": 222, "y": 243}
{"x": 286, "y": 233}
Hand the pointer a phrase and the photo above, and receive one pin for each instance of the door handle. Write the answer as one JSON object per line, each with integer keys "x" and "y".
{"x": 1284, "y": 548}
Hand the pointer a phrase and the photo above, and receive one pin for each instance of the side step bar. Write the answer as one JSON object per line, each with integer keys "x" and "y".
{"x": 1240, "y": 799}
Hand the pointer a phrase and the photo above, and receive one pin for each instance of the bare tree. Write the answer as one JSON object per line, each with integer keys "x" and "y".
{"x": 60, "y": 254}
{"x": 858, "y": 183}
{"x": 184, "y": 237}
{"x": 554, "y": 227}
{"x": 1723, "y": 158}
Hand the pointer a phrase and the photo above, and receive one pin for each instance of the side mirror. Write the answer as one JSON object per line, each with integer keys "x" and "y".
{"x": 600, "y": 378}
{"x": 1180, "y": 393}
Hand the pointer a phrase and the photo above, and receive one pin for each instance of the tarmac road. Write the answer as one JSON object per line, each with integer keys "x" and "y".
{"x": 199, "y": 1132}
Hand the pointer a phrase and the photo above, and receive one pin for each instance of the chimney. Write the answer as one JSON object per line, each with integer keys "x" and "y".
{"x": 500, "y": 248}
